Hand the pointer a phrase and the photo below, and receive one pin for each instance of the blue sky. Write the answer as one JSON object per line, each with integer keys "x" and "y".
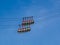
{"x": 45, "y": 31}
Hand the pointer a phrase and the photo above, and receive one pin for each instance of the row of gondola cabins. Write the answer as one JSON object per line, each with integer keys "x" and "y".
{"x": 26, "y": 22}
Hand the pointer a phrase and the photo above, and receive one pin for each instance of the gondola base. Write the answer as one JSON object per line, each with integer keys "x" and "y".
{"x": 26, "y": 30}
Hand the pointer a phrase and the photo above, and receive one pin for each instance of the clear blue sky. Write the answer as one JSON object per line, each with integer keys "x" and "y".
{"x": 45, "y": 31}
